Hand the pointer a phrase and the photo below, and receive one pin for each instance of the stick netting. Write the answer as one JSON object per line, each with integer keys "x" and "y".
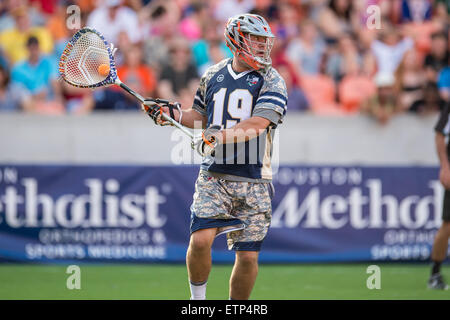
{"x": 81, "y": 59}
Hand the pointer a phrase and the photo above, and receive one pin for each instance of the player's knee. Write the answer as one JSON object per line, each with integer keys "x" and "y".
{"x": 247, "y": 258}
{"x": 200, "y": 240}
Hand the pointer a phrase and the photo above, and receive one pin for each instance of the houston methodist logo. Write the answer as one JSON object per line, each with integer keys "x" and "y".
{"x": 305, "y": 204}
{"x": 23, "y": 205}
{"x": 365, "y": 206}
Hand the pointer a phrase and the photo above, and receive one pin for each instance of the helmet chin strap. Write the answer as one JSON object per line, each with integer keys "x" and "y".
{"x": 248, "y": 62}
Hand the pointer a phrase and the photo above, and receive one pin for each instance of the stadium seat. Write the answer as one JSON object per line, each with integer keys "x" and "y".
{"x": 353, "y": 90}
{"x": 321, "y": 91}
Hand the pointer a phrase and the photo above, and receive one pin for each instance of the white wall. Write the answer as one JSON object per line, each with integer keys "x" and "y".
{"x": 132, "y": 138}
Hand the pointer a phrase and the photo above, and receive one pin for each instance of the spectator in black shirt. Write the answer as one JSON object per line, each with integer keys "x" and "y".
{"x": 431, "y": 101}
{"x": 179, "y": 78}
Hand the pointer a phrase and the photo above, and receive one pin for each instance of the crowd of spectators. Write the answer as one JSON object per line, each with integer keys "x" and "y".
{"x": 380, "y": 57}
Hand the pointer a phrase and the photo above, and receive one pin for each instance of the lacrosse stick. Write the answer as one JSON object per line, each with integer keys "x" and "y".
{"x": 88, "y": 62}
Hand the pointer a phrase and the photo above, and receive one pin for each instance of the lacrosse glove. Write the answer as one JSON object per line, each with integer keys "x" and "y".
{"x": 208, "y": 142}
{"x": 153, "y": 107}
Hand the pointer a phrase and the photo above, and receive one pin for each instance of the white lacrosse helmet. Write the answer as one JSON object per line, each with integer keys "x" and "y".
{"x": 240, "y": 33}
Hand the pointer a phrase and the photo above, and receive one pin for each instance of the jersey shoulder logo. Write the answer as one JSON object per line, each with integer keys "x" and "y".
{"x": 220, "y": 77}
{"x": 252, "y": 80}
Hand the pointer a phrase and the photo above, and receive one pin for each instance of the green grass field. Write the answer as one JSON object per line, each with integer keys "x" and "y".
{"x": 167, "y": 282}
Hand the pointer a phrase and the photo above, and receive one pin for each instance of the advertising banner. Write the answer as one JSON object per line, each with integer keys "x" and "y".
{"x": 65, "y": 214}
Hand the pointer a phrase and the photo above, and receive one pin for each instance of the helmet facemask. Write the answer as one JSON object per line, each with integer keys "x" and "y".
{"x": 255, "y": 50}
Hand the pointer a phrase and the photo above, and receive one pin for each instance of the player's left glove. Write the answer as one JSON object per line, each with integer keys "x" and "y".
{"x": 153, "y": 107}
{"x": 209, "y": 141}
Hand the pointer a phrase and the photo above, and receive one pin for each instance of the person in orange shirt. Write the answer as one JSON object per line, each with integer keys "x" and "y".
{"x": 135, "y": 73}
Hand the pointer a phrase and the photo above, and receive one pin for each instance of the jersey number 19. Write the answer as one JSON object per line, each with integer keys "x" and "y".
{"x": 239, "y": 107}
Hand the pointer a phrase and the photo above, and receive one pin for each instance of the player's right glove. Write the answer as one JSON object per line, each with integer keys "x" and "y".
{"x": 153, "y": 107}
{"x": 209, "y": 141}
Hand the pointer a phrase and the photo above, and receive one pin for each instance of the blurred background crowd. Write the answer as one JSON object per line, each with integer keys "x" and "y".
{"x": 334, "y": 55}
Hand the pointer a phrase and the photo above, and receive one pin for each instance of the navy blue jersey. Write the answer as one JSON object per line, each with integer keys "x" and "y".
{"x": 226, "y": 98}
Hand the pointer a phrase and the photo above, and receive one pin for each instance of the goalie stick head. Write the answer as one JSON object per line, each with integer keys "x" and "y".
{"x": 81, "y": 58}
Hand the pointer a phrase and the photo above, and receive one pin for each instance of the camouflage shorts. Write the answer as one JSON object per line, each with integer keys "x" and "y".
{"x": 242, "y": 210}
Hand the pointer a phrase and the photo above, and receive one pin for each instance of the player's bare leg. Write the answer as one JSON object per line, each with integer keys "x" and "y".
{"x": 440, "y": 244}
{"x": 438, "y": 254}
{"x": 244, "y": 274}
{"x": 198, "y": 261}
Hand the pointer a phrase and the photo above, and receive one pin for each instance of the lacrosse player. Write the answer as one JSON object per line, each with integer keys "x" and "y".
{"x": 440, "y": 243}
{"x": 240, "y": 101}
